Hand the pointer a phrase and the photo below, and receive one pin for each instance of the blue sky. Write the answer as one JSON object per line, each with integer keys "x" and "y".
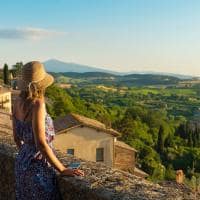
{"x": 120, "y": 35}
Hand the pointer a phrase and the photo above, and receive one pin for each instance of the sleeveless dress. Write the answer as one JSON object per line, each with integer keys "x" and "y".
{"x": 35, "y": 177}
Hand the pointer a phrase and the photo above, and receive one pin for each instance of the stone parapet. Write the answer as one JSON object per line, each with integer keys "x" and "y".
{"x": 100, "y": 182}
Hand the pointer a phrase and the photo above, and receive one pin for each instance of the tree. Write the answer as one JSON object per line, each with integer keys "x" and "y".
{"x": 169, "y": 141}
{"x": 160, "y": 142}
{"x": 61, "y": 102}
{"x": 16, "y": 69}
{"x": 150, "y": 162}
{"x": 198, "y": 136}
{"x": 170, "y": 173}
{"x": 182, "y": 130}
{"x": 6, "y": 74}
{"x": 190, "y": 141}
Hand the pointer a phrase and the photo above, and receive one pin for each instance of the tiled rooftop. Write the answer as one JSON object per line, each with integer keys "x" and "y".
{"x": 73, "y": 120}
{"x": 124, "y": 145}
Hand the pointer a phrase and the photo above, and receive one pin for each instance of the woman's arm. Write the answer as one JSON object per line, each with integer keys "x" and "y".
{"x": 38, "y": 123}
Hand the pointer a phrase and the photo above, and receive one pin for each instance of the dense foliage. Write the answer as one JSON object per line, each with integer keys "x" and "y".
{"x": 160, "y": 118}
{"x": 16, "y": 69}
{"x": 161, "y": 122}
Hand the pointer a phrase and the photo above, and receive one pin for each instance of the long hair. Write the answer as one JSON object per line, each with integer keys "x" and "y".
{"x": 29, "y": 96}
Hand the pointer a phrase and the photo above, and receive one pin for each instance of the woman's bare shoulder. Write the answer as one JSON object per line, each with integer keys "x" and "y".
{"x": 16, "y": 102}
{"x": 38, "y": 104}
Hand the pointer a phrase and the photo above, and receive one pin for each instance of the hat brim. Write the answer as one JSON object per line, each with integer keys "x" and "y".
{"x": 44, "y": 83}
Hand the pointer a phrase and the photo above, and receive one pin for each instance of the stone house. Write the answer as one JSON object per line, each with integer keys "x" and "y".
{"x": 91, "y": 140}
{"x": 5, "y": 99}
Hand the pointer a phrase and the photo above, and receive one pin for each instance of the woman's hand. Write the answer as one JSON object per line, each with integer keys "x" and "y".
{"x": 72, "y": 172}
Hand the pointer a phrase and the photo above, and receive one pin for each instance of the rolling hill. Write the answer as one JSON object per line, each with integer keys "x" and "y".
{"x": 53, "y": 65}
{"x": 115, "y": 80}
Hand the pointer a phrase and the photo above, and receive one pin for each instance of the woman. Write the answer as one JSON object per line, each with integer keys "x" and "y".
{"x": 33, "y": 133}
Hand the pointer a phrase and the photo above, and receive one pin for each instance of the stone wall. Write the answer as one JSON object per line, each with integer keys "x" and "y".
{"x": 6, "y": 174}
{"x": 100, "y": 182}
{"x": 124, "y": 158}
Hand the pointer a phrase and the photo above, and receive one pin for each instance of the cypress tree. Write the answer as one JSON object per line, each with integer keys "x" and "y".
{"x": 5, "y": 74}
{"x": 198, "y": 137}
{"x": 197, "y": 132}
{"x": 190, "y": 141}
{"x": 194, "y": 139}
{"x": 160, "y": 142}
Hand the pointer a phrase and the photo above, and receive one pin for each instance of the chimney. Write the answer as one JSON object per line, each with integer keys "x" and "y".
{"x": 179, "y": 176}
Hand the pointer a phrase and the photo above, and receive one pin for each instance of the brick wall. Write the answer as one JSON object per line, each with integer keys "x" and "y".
{"x": 124, "y": 158}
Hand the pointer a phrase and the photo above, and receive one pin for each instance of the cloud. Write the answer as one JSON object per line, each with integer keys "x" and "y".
{"x": 28, "y": 33}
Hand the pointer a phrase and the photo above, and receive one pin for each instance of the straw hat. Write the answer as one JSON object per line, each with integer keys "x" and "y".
{"x": 33, "y": 73}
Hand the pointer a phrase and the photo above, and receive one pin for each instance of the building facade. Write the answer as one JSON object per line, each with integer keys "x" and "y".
{"x": 5, "y": 99}
{"x": 86, "y": 143}
{"x": 91, "y": 140}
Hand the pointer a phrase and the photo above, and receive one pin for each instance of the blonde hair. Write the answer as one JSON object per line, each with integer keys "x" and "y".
{"x": 31, "y": 94}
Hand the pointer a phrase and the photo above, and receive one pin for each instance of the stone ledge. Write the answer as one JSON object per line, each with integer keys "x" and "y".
{"x": 100, "y": 182}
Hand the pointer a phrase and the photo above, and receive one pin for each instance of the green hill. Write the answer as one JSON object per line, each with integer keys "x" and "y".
{"x": 118, "y": 80}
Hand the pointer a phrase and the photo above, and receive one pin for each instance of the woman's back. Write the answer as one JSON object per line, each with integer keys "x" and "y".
{"x": 31, "y": 167}
{"x": 23, "y": 123}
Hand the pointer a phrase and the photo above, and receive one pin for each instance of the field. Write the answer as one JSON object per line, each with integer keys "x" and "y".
{"x": 178, "y": 97}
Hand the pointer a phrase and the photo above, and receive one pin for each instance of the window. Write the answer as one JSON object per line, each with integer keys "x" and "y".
{"x": 99, "y": 154}
{"x": 70, "y": 151}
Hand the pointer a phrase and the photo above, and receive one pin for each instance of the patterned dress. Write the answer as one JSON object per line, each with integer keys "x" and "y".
{"x": 35, "y": 177}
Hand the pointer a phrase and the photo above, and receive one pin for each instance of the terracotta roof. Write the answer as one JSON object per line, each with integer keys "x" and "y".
{"x": 139, "y": 171}
{"x": 74, "y": 120}
{"x": 124, "y": 145}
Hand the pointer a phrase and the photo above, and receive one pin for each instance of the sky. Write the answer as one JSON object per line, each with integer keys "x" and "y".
{"x": 119, "y": 35}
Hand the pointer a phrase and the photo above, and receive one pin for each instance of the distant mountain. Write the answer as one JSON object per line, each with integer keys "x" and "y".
{"x": 181, "y": 76}
{"x": 57, "y": 66}
{"x": 54, "y": 65}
